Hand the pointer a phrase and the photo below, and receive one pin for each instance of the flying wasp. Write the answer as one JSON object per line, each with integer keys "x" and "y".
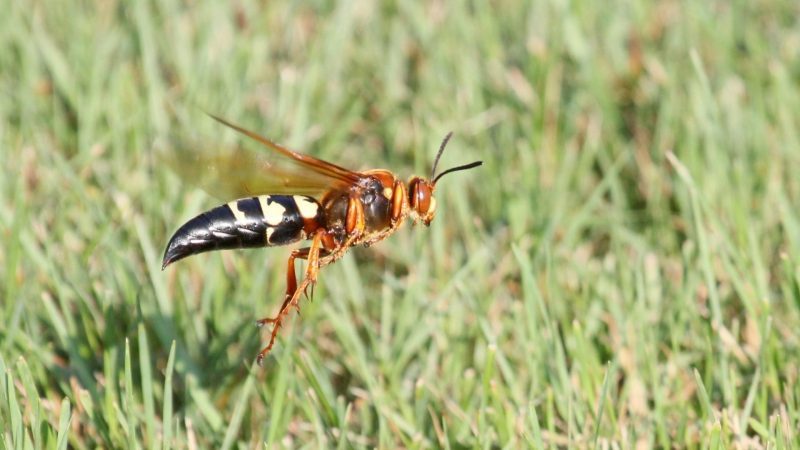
{"x": 284, "y": 197}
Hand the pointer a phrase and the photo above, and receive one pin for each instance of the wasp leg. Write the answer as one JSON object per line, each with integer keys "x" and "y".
{"x": 293, "y": 290}
{"x": 291, "y": 283}
{"x": 399, "y": 213}
{"x": 355, "y": 225}
{"x": 355, "y": 220}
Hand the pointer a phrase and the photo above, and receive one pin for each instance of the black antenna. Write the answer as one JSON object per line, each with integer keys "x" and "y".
{"x": 454, "y": 169}
{"x": 434, "y": 177}
{"x": 439, "y": 155}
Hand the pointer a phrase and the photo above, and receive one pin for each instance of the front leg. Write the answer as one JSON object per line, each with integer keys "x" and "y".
{"x": 399, "y": 213}
{"x": 355, "y": 225}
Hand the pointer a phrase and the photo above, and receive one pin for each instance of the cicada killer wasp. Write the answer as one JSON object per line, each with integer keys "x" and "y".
{"x": 283, "y": 197}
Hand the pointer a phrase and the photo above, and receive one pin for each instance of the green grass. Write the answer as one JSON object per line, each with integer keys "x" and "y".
{"x": 623, "y": 271}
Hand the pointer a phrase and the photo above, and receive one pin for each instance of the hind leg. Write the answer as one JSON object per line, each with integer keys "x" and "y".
{"x": 291, "y": 283}
{"x": 293, "y": 290}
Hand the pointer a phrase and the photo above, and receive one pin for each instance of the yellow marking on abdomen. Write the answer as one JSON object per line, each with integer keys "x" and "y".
{"x": 237, "y": 213}
{"x": 273, "y": 212}
{"x": 307, "y": 207}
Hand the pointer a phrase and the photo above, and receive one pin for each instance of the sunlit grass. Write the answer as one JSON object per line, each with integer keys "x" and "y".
{"x": 622, "y": 271}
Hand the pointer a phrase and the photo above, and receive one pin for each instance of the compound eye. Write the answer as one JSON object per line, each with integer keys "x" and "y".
{"x": 423, "y": 197}
{"x": 413, "y": 193}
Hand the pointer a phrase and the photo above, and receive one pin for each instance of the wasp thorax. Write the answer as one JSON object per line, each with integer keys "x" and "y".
{"x": 420, "y": 197}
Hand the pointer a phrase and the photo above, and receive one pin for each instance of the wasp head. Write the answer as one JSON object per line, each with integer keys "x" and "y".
{"x": 420, "y": 190}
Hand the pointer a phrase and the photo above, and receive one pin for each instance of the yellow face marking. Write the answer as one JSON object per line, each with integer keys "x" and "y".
{"x": 432, "y": 207}
{"x": 307, "y": 207}
{"x": 273, "y": 212}
{"x": 387, "y": 192}
{"x": 237, "y": 213}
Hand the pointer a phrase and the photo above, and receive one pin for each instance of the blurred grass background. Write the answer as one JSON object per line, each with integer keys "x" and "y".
{"x": 623, "y": 272}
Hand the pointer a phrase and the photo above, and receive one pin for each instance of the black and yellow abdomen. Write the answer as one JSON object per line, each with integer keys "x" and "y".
{"x": 263, "y": 221}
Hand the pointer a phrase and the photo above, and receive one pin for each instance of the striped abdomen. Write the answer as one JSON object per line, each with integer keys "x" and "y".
{"x": 266, "y": 220}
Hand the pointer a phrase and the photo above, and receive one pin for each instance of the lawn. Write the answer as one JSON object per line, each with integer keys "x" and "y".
{"x": 622, "y": 272}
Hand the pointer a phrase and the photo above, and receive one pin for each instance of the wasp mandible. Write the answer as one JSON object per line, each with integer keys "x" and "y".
{"x": 284, "y": 197}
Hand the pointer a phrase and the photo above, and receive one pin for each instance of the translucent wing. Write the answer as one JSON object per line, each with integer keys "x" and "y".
{"x": 244, "y": 171}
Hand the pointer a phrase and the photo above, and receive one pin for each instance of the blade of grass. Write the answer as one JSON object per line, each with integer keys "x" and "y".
{"x": 166, "y": 417}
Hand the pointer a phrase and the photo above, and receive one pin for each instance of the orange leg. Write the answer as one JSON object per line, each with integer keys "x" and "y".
{"x": 399, "y": 202}
{"x": 355, "y": 224}
{"x": 291, "y": 283}
{"x": 355, "y": 221}
{"x": 293, "y": 290}
{"x": 399, "y": 213}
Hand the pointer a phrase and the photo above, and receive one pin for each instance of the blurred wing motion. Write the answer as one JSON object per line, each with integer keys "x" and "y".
{"x": 244, "y": 172}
